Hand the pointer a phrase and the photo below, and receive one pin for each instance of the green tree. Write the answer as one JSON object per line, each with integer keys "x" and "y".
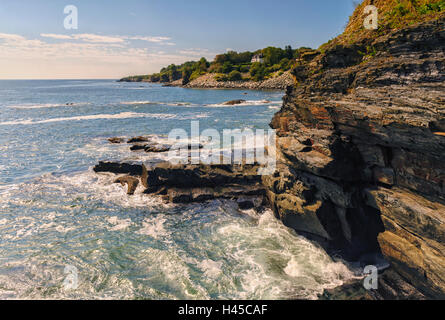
{"x": 203, "y": 65}
{"x": 235, "y": 76}
{"x": 284, "y": 64}
{"x": 289, "y": 52}
{"x": 227, "y": 67}
{"x": 186, "y": 73}
{"x": 165, "y": 77}
{"x": 258, "y": 71}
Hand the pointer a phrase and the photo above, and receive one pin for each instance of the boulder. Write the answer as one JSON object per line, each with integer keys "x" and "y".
{"x": 234, "y": 102}
{"x": 119, "y": 168}
{"x": 116, "y": 140}
{"x": 192, "y": 183}
{"x": 130, "y": 181}
{"x": 138, "y": 139}
{"x": 157, "y": 148}
{"x": 138, "y": 146}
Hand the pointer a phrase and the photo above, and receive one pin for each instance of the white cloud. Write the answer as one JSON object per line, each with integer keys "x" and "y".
{"x": 88, "y": 37}
{"x": 98, "y": 38}
{"x": 198, "y": 52}
{"x": 55, "y": 36}
{"x": 151, "y": 39}
{"x": 11, "y": 37}
{"x": 93, "y": 57}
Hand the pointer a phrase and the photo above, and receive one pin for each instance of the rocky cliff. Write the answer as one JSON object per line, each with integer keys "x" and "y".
{"x": 361, "y": 142}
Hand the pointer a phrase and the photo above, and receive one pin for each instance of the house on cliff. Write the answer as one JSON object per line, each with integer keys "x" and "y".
{"x": 258, "y": 58}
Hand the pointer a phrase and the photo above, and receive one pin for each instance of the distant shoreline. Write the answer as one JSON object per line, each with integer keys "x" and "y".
{"x": 208, "y": 81}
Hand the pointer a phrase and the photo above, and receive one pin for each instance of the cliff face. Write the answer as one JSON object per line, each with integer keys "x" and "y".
{"x": 361, "y": 142}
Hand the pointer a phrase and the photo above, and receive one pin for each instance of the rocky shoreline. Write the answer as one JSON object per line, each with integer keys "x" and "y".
{"x": 208, "y": 81}
{"x": 187, "y": 183}
{"x": 275, "y": 83}
{"x": 361, "y": 147}
{"x": 361, "y": 144}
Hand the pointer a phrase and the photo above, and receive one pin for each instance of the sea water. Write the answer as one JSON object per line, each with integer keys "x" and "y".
{"x": 57, "y": 216}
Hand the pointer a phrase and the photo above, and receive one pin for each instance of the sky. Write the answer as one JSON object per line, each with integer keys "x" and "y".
{"x": 116, "y": 38}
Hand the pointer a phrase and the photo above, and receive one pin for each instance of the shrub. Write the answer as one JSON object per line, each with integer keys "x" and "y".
{"x": 227, "y": 67}
{"x": 221, "y": 77}
{"x": 258, "y": 72}
{"x": 235, "y": 76}
{"x": 432, "y": 7}
{"x": 244, "y": 68}
{"x": 285, "y": 64}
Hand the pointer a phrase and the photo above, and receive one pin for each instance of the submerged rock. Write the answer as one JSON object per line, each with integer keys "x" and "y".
{"x": 234, "y": 102}
{"x": 138, "y": 146}
{"x": 116, "y": 140}
{"x": 157, "y": 148}
{"x": 138, "y": 139}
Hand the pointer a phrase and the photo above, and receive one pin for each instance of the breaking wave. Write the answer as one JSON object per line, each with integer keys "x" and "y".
{"x": 201, "y": 251}
{"x": 122, "y": 115}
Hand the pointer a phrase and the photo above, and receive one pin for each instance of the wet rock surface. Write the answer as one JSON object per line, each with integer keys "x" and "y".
{"x": 234, "y": 102}
{"x": 361, "y": 156}
{"x": 131, "y": 182}
{"x": 132, "y": 169}
{"x": 179, "y": 183}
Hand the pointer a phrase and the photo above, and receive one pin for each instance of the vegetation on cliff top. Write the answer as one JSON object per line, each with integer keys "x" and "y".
{"x": 392, "y": 15}
{"x": 231, "y": 66}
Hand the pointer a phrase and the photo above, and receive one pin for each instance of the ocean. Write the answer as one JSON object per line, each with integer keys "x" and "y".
{"x": 60, "y": 221}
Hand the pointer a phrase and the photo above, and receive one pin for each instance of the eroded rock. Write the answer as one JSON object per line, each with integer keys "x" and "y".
{"x": 119, "y": 168}
{"x": 130, "y": 181}
{"x": 192, "y": 183}
{"x": 360, "y": 156}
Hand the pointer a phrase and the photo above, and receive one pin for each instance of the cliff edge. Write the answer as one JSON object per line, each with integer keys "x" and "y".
{"x": 361, "y": 141}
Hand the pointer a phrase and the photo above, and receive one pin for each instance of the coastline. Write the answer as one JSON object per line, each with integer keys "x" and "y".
{"x": 207, "y": 81}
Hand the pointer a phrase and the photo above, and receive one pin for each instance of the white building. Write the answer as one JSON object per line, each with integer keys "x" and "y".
{"x": 258, "y": 58}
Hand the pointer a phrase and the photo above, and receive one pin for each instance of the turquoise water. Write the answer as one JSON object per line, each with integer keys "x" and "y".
{"x": 55, "y": 212}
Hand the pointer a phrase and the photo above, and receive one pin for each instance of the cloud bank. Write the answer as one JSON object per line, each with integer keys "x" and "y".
{"x": 85, "y": 56}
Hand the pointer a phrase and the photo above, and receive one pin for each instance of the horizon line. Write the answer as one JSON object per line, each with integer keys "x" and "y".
{"x": 52, "y": 79}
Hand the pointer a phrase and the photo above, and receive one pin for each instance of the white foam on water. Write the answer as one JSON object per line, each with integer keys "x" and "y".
{"x": 101, "y": 187}
{"x": 119, "y": 224}
{"x": 122, "y": 115}
{"x": 47, "y": 105}
{"x": 132, "y": 103}
{"x": 260, "y": 259}
{"x": 170, "y": 104}
{"x": 154, "y": 227}
{"x": 62, "y": 229}
{"x": 272, "y": 262}
{"x": 175, "y": 273}
{"x": 202, "y": 115}
{"x": 246, "y": 103}
{"x": 212, "y": 269}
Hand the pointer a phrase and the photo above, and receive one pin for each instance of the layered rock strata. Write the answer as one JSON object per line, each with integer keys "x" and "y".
{"x": 362, "y": 153}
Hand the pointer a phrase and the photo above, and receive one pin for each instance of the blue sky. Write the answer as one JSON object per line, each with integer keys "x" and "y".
{"x": 118, "y": 38}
